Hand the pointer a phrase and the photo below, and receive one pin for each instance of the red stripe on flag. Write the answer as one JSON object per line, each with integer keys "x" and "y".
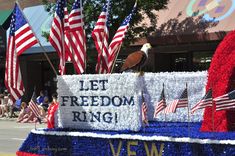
{"x": 56, "y": 39}
{"x": 100, "y": 35}
{"x": 33, "y": 106}
{"x": 75, "y": 39}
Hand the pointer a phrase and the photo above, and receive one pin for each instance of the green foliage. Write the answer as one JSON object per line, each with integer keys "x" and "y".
{"x": 119, "y": 10}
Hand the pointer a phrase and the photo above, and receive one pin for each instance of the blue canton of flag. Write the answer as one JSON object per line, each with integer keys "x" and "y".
{"x": 60, "y": 8}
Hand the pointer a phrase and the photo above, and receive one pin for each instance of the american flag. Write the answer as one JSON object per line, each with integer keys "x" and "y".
{"x": 100, "y": 34}
{"x": 144, "y": 112}
{"x": 75, "y": 39}
{"x": 181, "y": 102}
{"x": 161, "y": 104}
{"x": 206, "y": 101}
{"x": 34, "y": 107}
{"x": 226, "y": 101}
{"x": 116, "y": 42}
{"x": 56, "y": 37}
{"x": 21, "y": 38}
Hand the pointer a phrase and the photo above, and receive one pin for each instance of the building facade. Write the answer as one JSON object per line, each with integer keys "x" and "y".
{"x": 188, "y": 34}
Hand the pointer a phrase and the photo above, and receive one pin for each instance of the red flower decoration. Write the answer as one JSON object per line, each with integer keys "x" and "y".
{"x": 221, "y": 76}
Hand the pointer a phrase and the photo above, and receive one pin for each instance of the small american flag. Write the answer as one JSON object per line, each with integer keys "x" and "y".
{"x": 21, "y": 38}
{"x": 118, "y": 38}
{"x": 34, "y": 107}
{"x": 100, "y": 34}
{"x": 181, "y": 102}
{"x": 75, "y": 39}
{"x": 144, "y": 112}
{"x": 226, "y": 101}
{"x": 161, "y": 104}
{"x": 206, "y": 101}
{"x": 56, "y": 37}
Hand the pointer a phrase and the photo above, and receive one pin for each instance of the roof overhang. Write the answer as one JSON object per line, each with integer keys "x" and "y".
{"x": 5, "y": 18}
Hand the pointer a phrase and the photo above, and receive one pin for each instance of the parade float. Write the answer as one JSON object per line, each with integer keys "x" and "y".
{"x": 102, "y": 114}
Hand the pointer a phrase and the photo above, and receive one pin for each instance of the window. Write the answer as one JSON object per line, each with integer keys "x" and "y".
{"x": 201, "y": 60}
{"x": 180, "y": 62}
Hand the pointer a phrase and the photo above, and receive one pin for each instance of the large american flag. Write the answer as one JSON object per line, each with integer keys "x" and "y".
{"x": 100, "y": 34}
{"x": 75, "y": 39}
{"x": 206, "y": 101}
{"x": 21, "y": 38}
{"x": 33, "y": 106}
{"x": 226, "y": 101}
{"x": 118, "y": 38}
{"x": 181, "y": 102}
{"x": 56, "y": 37}
{"x": 161, "y": 104}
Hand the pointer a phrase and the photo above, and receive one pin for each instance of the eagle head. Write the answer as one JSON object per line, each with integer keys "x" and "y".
{"x": 145, "y": 48}
{"x": 137, "y": 59}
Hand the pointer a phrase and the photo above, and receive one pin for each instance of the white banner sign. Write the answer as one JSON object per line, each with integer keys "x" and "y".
{"x": 101, "y": 102}
{"x": 113, "y": 101}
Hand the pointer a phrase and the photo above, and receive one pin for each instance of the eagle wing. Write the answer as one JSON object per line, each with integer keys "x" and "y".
{"x": 132, "y": 60}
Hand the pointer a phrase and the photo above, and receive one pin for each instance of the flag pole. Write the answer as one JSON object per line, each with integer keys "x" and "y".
{"x": 85, "y": 48}
{"x": 115, "y": 59}
{"x": 188, "y": 111}
{"x": 62, "y": 72}
{"x": 44, "y": 51}
{"x": 164, "y": 98}
{"x": 212, "y": 109}
{"x": 142, "y": 99}
{"x": 213, "y": 120}
{"x": 105, "y": 32}
{"x": 35, "y": 125}
{"x": 45, "y": 54}
{"x": 122, "y": 38}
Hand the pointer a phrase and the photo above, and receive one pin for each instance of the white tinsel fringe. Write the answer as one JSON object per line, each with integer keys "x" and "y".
{"x": 133, "y": 137}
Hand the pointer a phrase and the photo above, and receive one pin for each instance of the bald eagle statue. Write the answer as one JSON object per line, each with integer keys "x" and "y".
{"x": 136, "y": 60}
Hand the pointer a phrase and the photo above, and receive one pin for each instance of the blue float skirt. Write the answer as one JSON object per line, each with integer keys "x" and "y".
{"x": 159, "y": 138}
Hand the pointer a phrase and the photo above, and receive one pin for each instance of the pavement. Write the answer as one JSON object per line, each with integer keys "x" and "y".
{"x": 13, "y": 134}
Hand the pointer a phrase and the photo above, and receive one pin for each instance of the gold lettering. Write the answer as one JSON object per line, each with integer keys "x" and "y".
{"x": 129, "y": 144}
{"x": 113, "y": 150}
{"x": 154, "y": 151}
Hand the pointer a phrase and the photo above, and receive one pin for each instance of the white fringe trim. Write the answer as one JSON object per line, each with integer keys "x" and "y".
{"x": 134, "y": 137}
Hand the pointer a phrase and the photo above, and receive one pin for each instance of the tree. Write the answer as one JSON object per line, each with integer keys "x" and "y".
{"x": 119, "y": 10}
